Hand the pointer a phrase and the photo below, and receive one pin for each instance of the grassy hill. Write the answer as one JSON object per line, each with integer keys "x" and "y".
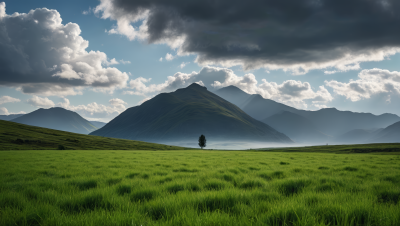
{"x": 38, "y": 138}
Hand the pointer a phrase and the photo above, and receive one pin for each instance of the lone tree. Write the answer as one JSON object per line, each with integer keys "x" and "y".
{"x": 202, "y": 141}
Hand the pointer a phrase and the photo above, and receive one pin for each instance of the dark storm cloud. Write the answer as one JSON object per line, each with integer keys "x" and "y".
{"x": 307, "y": 33}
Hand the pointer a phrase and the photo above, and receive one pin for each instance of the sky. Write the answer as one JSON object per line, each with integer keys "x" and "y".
{"x": 99, "y": 58}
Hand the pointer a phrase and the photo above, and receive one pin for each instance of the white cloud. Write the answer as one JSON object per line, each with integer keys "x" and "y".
{"x": 116, "y": 102}
{"x": 40, "y": 102}
{"x": 2, "y": 11}
{"x": 183, "y": 64}
{"x": 87, "y": 12}
{"x": 43, "y": 56}
{"x": 169, "y": 57}
{"x": 330, "y": 72}
{"x": 125, "y": 62}
{"x": 160, "y": 59}
{"x": 95, "y": 110}
{"x": 3, "y": 110}
{"x": 113, "y": 61}
{"x": 290, "y": 92}
{"x": 371, "y": 82}
{"x": 8, "y": 99}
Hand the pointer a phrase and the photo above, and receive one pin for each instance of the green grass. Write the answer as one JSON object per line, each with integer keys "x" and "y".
{"x": 15, "y": 136}
{"x": 195, "y": 187}
{"x": 356, "y": 148}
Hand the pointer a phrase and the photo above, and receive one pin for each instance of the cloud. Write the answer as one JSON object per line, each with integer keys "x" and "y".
{"x": 116, "y": 102}
{"x": 40, "y": 102}
{"x": 2, "y": 11}
{"x": 160, "y": 59}
{"x": 169, "y": 57}
{"x": 95, "y": 110}
{"x": 293, "y": 35}
{"x": 8, "y": 99}
{"x": 112, "y": 62}
{"x": 371, "y": 82}
{"x": 291, "y": 92}
{"x": 3, "y": 110}
{"x": 40, "y": 55}
{"x": 87, "y": 12}
{"x": 330, "y": 72}
{"x": 125, "y": 62}
{"x": 183, "y": 64}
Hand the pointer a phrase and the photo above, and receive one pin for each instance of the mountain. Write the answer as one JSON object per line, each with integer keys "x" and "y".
{"x": 253, "y": 104}
{"x": 259, "y": 108}
{"x": 98, "y": 124}
{"x": 10, "y": 117}
{"x": 184, "y": 115}
{"x": 334, "y": 122}
{"x": 390, "y": 134}
{"x": 233, "y": 94}
{"x": 57, "y": 118}
{"x": 356, "y": 136}
{"x": 297, "y": 128}
{"x": 329, "y": 121}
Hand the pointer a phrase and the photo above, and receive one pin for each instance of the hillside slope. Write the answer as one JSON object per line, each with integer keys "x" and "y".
{"x": 57, "y": 118}
{"x": 186, "y": 114}
{"x": 389, "y": 134}
{"x": 98, "y": 124}
{"x": 15, "y": 136}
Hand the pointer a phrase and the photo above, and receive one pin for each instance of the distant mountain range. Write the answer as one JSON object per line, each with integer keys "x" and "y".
{"x": 186, "y": 114}
{"x": 390, "y": 134}
{"x": 307, "y": 126}
{"x": 297, "y": 127}
{"x": 10, "y": 117}
{"x": 356, "y": 136}
{"x": 228, "y": 115}
{"x": 57, "y": 118}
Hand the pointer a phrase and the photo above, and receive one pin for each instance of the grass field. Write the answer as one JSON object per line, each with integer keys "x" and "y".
{"x": 198, "y": 188}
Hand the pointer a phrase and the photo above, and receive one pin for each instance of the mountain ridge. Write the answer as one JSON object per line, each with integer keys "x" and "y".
{"x": 186, "y": 114}
{"x": 329, "y": 121}
{"x": 57, "y": 118}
